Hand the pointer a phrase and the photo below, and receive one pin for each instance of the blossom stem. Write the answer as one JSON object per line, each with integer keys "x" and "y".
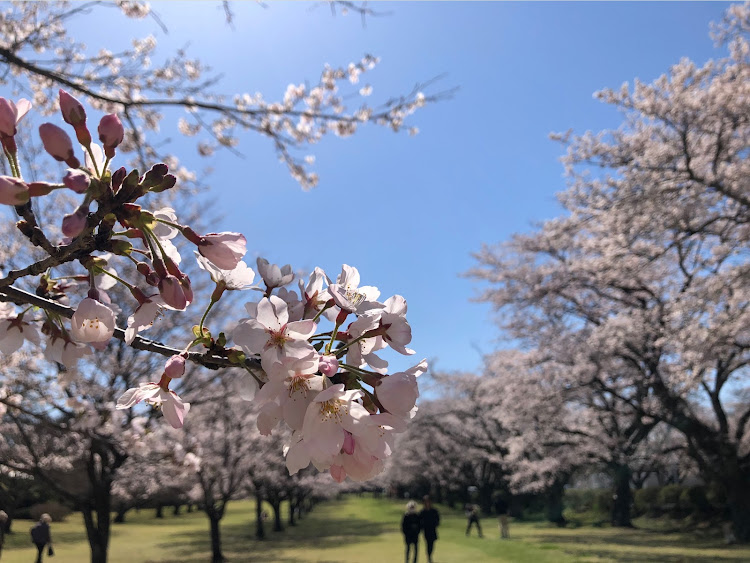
{"x": 205, "y": 314}
{"x": 119, "y": 279}
{"x": 170, "y": 223}
{"x": 315, "y": 319}
{"x": 13, "y": 162}
{"x": 340, "y": 351}
{"x": 333, "y": 337}
{"x": 147, "y": 236}
{"x": 106, "y": 164}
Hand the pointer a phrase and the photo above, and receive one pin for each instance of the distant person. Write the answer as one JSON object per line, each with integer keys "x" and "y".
{"x": 40, "y": 535}
{"x": 3, "y": 524}
{"x": 430, "y": 519}
{"x": 472, "y": 517}
{"x": 411, "y": 524}
{"x": 501, "y": 507}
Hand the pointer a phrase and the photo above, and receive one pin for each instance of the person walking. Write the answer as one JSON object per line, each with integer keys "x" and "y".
{"x": 411, "y": 524}
{"x": 472, "y": 517}
{"x": 41, "y": 537}
{"x": 3, "y": 525}
{"x": 430, "y": 519}
{"x": 501, "y": 507}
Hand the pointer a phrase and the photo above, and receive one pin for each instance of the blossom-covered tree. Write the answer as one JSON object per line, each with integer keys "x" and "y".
{"x": 648, "y": 270}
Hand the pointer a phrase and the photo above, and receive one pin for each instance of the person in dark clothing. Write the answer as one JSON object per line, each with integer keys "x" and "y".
{"x": 501, "y": 507}
{"x": 472, "y": 517}
{"x": 411, "y": 524}
{"x": 40, "y": 535}
{"x": 430, "y": 519}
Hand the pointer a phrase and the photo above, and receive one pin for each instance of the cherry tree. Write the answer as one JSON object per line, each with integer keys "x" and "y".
{"x": 648, "y": 269}
{"x": 70, "y": 417}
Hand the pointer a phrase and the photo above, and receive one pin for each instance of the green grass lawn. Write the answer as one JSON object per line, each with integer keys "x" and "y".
{"x": 364, "y": 530}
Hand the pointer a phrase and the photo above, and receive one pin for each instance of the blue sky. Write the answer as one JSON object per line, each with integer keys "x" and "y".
{"x": 409, "y": 211}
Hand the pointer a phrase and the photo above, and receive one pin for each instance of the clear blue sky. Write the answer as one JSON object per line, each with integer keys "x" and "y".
{"x": 409, "y": 211}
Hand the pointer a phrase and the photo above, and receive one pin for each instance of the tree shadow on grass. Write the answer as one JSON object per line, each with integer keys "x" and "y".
{"x": 603, "y": 547}
{"x": 239, "y": 542}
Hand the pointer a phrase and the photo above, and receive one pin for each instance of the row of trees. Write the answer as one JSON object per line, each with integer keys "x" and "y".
{"x": 631, "y": 310}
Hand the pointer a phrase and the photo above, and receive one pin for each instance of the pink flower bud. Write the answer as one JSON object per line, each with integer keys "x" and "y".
{"x": 328, "y": 365}
{"x": 7, "y": 117}
{"x": 11, "y": 114}
{"x": 172, "y": 293}
{"x": 111, "y": 133}
{"x": 224, "y": 250}
{"x": 72, "y": 110}
{"x": 57, "y": 144}
{"x": 175, "y": 367}
{"x": 13, "y": 191}
{"x": 143, "y": 268}
{"x": 74, "y": 223}
{"x": 77, "y": 180}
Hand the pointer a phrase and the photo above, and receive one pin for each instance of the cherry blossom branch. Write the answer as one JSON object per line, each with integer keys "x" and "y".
{"x": 208, "y": 360}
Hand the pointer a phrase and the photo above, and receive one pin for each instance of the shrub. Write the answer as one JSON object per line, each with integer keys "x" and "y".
{"x": 695, "y": 500}
{"x": 57, "y": 511}
{"x": 647, "y": 501}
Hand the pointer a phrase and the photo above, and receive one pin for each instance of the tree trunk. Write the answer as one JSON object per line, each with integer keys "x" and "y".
{"x": 216, "y": 555}
{"x": 292, "y": 508}
{"x": 276, "y": 506}
{"x": 99, "y": 505}
{"x": 260, "y": 533}
{"x": 120, "y": 518}
{"x": 554, "y": 502}
{"x": 159, "y": 511}
{"x": 738, "y": 502}
{"x": 189, "y": 508}
{"x": 176, "y": 511}
{"x": 622, "y": 497}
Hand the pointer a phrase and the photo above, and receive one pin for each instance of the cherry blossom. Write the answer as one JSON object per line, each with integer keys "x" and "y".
{"x": 171, "y": 405}
{"x": 272, "y": 275}
{"x": 332, "y": 412}
{"x": 272, "y": 336}
{"x": 11, "y": 114}
{"x": 398, "y": 392}
{"x": 349, "y": 296}
{"x": 293, "y": 384}
{"x": 224, "y": 250}
{"x": 239, "y": 278}
{"x": 64, "y": 351}
{"x": 13, "y": 332}
{"x": 143, "y": 318}
{"x": 93, "y": 322}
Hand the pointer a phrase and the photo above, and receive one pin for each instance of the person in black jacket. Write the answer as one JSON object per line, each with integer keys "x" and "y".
{"x": 411, "y": 524}
{"x": 40, "y": 535}
{"x": 501, "y": 507}
{"x": 430, "y": 518}
{"x": 472, "y": 517}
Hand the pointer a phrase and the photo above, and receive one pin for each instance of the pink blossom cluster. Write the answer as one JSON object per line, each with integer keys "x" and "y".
{"x": 331, "y": 388}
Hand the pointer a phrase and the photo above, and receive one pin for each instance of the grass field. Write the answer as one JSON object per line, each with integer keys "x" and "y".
{"x": 364, "y": 530}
